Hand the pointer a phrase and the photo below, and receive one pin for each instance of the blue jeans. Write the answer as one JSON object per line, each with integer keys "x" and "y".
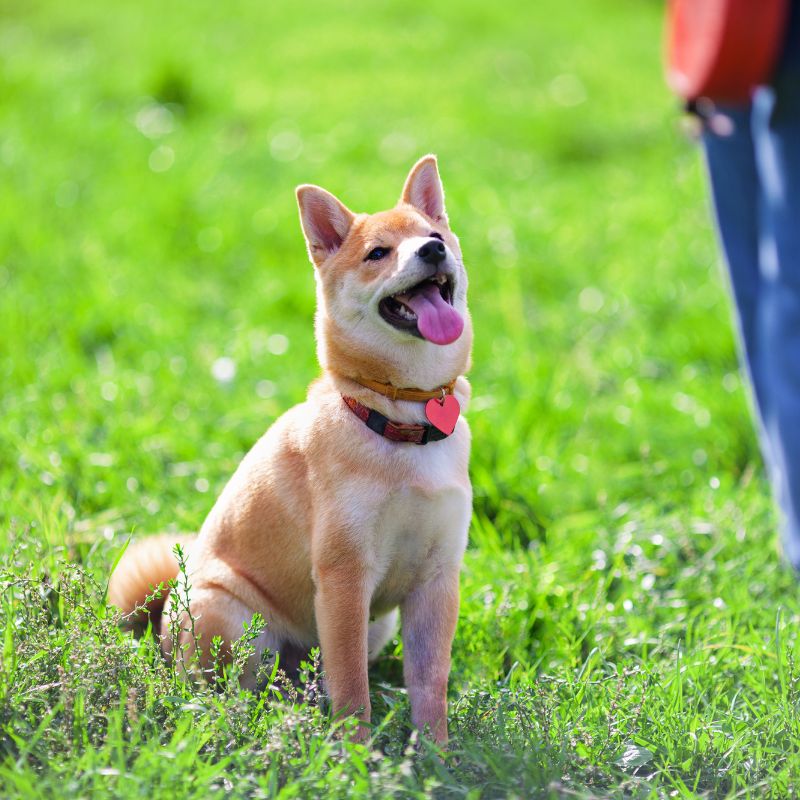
{"x": 755, "y": 180}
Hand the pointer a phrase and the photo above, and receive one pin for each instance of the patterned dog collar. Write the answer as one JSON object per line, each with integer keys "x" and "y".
{"x": 394, "y": 431}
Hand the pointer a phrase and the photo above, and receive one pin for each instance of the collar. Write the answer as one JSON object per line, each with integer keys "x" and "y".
{"x": 396, "y": 393}
{"x": 396, "y": 431}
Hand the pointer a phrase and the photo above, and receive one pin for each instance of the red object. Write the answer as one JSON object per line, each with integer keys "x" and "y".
{"x": 443, "y": 414}
{"x": 723, "y": 49}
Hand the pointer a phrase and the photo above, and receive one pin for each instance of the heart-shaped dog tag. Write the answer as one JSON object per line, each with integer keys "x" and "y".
{"x": 443, "y": 414}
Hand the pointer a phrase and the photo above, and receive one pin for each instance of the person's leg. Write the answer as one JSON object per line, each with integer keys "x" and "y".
{"x": 776, "y": 136}
{"x": 730, "y": 161}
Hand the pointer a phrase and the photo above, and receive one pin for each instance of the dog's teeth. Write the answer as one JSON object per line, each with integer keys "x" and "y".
{"x": 406, "y": 313}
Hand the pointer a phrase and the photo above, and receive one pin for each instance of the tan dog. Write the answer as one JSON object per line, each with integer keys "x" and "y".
{"x": 331, "y": 525}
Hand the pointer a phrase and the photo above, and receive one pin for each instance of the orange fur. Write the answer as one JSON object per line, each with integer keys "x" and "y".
{"x": 326, "y": 528}
{"x": 148, "y": 563}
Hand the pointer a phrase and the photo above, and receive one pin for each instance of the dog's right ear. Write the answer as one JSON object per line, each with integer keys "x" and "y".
{"x": 325, "y": 220}
{"x": 423, "y": 189}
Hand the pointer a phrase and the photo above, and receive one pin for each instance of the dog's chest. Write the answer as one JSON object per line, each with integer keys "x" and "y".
{"x": 415, "y": 532}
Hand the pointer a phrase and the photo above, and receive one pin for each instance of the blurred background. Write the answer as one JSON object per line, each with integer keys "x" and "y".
{"x": 156, "y": 301}
{"x": 623, "y": 611}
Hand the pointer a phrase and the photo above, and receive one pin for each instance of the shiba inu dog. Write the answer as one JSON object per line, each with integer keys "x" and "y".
{"x": 339, "y": 518}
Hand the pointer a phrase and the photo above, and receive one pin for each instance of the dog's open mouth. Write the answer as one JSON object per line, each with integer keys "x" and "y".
{"x": 425, "y": 310}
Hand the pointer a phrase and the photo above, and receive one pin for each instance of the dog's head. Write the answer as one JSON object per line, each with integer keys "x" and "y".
{"x": 391, "y": 286}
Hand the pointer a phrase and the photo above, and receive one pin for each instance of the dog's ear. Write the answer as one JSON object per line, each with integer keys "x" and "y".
{"x": 424, "y": 191}
{"x": 325, "y": 221}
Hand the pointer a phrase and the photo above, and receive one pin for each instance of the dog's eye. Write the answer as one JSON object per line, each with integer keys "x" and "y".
{"x": 377, "y": 253}
{"x": 435, "y": 235}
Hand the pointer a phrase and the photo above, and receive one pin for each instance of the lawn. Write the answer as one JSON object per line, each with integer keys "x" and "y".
{"x": 627, "y": 627}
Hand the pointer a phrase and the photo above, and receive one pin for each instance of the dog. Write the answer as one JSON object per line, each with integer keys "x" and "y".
{"x": 353, "y": 509}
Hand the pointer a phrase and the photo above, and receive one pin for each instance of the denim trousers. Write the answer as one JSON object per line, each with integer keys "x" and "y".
{"x": 755, "y": 180}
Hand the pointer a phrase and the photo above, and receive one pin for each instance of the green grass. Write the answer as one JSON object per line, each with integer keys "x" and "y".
{"x": 627, "y": 628}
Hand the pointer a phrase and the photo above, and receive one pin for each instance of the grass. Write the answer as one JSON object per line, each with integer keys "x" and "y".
{"x": 627, "y": 627}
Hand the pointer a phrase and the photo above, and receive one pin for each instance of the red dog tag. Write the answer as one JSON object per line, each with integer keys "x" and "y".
{"x": 443, "y": 414}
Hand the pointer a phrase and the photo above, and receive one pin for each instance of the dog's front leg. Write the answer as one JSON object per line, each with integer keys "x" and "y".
{"x": 430, "y": 614}
{"x": 342, "y": 610}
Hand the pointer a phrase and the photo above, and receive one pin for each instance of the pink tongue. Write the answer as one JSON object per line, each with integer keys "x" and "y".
{"x": 437, "y": 320}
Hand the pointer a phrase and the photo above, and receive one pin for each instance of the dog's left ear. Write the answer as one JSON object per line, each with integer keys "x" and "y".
{"x": 326, "y": 221}
{"x": 424, "y": 191}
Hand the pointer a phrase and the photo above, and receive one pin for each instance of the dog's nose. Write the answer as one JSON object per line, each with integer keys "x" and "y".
{"x": 432, "y": 252}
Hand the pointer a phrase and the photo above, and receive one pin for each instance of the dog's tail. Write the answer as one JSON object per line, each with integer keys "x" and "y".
{"x": 144, "y": 566}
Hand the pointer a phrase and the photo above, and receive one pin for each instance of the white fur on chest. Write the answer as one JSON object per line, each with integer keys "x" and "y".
{"x": 418, "y": 526}
{"x": 416, "y": 533}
